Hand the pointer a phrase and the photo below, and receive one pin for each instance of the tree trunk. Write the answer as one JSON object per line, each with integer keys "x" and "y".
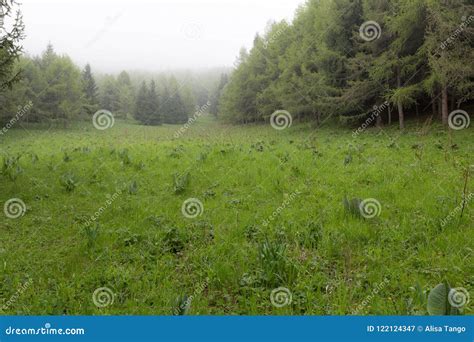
{"x": 444, "y": 101}
{"x": 401, "y": 114}
{"x": 440, "y": 108}
{"x": 435, "y": 111}
{"x": 318, "y": 119}
{"x": 379, "y": 121}
{"x": 389, "y": 114}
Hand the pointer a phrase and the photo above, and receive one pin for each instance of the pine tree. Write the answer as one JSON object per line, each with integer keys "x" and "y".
{"x": 153, "y": 106}
{"x": 126, "y": 99}
{"x": 10, "y": 44}
{"x": 110, "y": 96}
{"x": 90, "y": 91}
{"x": 450, "y": 59}
{"x": 215, "y": 97}
{"x": 173, "y": 108}
{"x": 141, "y": 104}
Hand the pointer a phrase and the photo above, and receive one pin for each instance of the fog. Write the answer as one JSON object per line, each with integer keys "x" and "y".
{"x": 149, "y": 35}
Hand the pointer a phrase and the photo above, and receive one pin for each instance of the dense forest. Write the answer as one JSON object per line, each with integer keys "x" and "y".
{"x": 340, "y": 58}
{"x": 378, "y": 61}
{"x": 60, "y": 93}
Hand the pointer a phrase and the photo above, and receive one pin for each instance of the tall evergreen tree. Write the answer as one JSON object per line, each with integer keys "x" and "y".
{"x": 141, "y": 104}
{"x": 110, "y": 96}
{"x": 153, "y": 106}
{"x": 173, "y": 108}
{"x": 215, "y": 98}
{"x": 10, "y": 44}
{"x": 90, "y": 90}
{"x": 126, "y": 98}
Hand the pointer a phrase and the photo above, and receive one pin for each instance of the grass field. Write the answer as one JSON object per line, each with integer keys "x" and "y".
{"x": 272, "y": 216}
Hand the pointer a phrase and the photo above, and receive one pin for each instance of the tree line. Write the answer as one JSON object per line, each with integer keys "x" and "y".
{"x": 347, "y": 58}
{"x": 60, "y": 93}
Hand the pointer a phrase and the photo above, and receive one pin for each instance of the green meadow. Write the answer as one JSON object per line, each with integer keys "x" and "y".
{"x": 272, "y": 209}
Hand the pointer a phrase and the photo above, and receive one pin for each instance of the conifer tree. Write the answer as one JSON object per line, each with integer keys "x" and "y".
{"x": 90, "y": 91}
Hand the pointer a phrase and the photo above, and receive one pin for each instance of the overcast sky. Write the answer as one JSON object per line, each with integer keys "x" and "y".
{"x": 149, "y": 35}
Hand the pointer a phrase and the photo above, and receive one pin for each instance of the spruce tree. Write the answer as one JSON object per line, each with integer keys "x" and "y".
{"x": 141, "y": 104}
{"x": 153, "y": 106}
{"x": 90, "y": 91}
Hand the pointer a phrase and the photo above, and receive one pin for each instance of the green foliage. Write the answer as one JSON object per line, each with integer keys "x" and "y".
{"x": 173, "y": 241}
{"x": 276, "y": 268}
{"x": 91, "y": 232}
{"x": 438, "y": 303}
{"x": 10, "y": 44}
{"x": 319, "y": 66}
{"x": 352, "y": 206}
{"x": 124, "y": 156}
{"x": 11, "y": 167}
{"x": 173, "y": 107}
{"x": 133, "y": 188}
{"x": 180, "y": 182}
{"x": 68, "y": 181}
{"x": 90, "y": 91}
{"x": 182, "y": 306}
